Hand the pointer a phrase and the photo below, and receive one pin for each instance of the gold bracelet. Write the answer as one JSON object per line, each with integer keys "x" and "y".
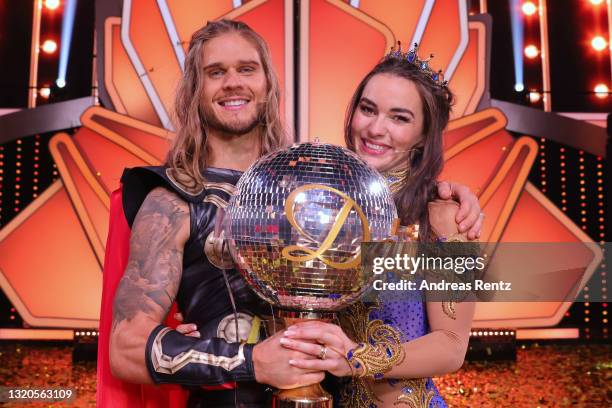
{"x": 380, "y": 355}
{"x": 374, "y": 360}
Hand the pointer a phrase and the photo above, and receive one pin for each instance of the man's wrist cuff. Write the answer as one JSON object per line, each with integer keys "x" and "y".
{"x": 174, "y": 358}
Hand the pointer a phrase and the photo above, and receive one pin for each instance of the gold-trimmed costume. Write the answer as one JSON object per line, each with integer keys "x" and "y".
{"x": 382, "y": 327}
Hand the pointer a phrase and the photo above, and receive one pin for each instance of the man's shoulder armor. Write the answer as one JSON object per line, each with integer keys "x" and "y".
{"x": 137, "y": 182}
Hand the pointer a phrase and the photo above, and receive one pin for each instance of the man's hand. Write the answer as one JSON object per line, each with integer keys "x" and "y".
{"x": 188, "y": 329}
{"x": 271, "y": 365}
{"x": 469, "y": 217}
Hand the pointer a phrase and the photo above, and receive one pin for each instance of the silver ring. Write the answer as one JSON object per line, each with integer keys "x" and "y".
{"x": 322, "y": 353}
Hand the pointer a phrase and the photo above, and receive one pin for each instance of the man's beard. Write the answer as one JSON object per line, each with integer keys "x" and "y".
{"x": 234, "y": 127}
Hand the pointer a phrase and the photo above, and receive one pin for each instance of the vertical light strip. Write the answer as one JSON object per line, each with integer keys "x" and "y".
{"x": 463, "y": 43}
{"x": 1, "y": 179}
{"x": 563, "y": 180}
{"x": 94, "y": 73}
{"x": 36, "y": 166}
{"x": 34, "y": 51}
{"x": 67, "y": 31}
{"x": 609, "y": 2}
{"x": 518, "y": 42}
{"x": 172, "y": 33}
{"x": 583, "y": 226}
{"x": 582, "y": 190}
{"x": 18, "y": 176}
{"x": 290, "y": 56}
{"x": 236, "y": 3}
{"x": 304, "y": 79}
{"x": 542, "y": 149}
{"x": 601, "y": 226}
{"x": 142, "y": 72}
{"x": 545, "y": 55}
{"x": 483, "y": 6}
{"x": 423, "y": 20}
{"x": 355, "y": 3}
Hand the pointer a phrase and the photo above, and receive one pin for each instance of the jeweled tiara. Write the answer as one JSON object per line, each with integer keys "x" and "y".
{"x": 413, "y": 58}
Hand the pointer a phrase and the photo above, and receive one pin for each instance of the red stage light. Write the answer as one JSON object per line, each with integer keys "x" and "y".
{"x": 601, "y": 90}
{"x": 529, "y": 8}
{"x": 599, "y": 43}
{"x": 52, "y": 4}
{"x": 534, "y": 97}
{"x": 49, "y": 46}
{"x": 45, "y": 92}
{"x": 531, "y": 51}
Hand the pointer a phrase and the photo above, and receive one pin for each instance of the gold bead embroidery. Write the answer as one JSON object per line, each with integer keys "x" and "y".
{"x": 449, "y": 309}
{"x": 396, "y": 179}
{"x": 415, "y": 393}
{"x": 379, "y": 353}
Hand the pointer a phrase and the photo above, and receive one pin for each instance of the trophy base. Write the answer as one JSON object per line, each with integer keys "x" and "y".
{"x": 290, "y": 317}
{"x": 312, "y": 396}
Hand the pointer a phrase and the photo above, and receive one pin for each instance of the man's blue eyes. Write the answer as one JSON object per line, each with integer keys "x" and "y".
{"x": 243, "y": 70}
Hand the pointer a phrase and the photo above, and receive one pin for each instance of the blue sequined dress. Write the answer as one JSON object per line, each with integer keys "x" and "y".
{"x": 404, "y": 316}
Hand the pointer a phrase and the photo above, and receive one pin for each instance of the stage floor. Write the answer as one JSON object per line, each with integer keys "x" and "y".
{"x": 542, "y": 376}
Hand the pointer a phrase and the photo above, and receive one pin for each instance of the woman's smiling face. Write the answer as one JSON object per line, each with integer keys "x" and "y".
{"x": 388, "y": 121}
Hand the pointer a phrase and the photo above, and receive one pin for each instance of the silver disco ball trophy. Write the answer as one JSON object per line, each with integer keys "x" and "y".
{"x": 295, "y": 227}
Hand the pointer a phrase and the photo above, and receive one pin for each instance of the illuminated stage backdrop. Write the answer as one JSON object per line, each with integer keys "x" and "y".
{"x": 335, "y": 44}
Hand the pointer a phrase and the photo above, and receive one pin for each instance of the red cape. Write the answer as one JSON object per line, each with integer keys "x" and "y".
{"x": 112, "y": 392}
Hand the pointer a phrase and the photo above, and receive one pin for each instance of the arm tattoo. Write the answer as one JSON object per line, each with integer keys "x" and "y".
{"x": 153, "y": 273}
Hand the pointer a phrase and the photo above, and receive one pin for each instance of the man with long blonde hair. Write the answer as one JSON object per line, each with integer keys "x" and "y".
{"x": 227, "y": 116}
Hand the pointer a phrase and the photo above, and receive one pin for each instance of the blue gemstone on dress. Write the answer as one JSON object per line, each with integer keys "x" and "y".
{"x": 407, "y": 390}
{"x": 411, "y": 56}
{"x": 434, "y": 77}
{"x": 357, "y": 365}
{"x": 392, "y": 381}
{"x": 389, "y": 352}
{"x": 423, "y": 65}
{"x": 378, "y": 376}
{"x": 349, "y": 355}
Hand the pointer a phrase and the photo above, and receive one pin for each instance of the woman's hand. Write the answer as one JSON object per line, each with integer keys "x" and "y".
{"x": 325, "y": 341}
{"x": 188, "y": 329}
{"x": 469, "y": 217}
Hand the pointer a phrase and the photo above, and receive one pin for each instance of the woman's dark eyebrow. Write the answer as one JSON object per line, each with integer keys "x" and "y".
{"x": 366, "y": 100}
{"x": 403, "y": 110}
{"x": 394, "y": 110}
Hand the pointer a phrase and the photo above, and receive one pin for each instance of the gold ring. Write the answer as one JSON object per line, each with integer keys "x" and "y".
{"x": 322, "y": 353}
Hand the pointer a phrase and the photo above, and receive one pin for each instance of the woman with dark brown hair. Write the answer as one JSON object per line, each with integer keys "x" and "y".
{"x": 392, "y": 348}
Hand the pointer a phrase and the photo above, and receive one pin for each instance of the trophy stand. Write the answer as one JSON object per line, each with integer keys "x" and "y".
{"x": 310, "y": 396}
